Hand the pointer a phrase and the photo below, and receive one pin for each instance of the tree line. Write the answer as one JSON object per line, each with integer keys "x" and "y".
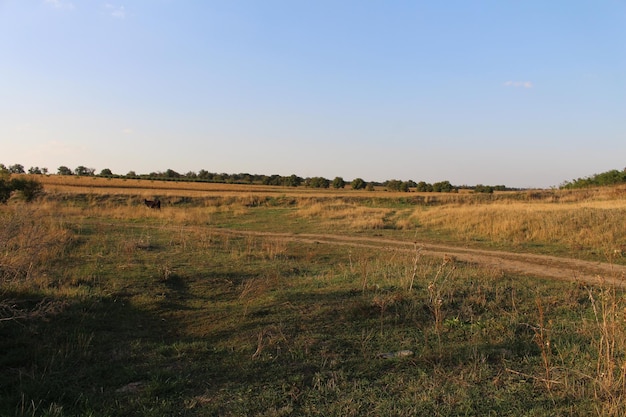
{"x": 275, "y": 180}
{"x": 612, "y": 177}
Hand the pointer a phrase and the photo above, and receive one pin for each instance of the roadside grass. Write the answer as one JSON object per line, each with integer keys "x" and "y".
{"x": 110, "y": 309}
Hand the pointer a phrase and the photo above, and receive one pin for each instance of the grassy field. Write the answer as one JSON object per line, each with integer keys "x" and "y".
{"x": 108, "y": 308}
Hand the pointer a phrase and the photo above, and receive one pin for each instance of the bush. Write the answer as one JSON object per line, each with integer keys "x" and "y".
{"x": 358, "y": 184}
{"x": 397, "y": 185}
{"x": 443, "y": 187}
{"x": 338, "y": 182}
{"x": 318, "y": 182}
{"x": 28, "y": 188}
{"x": 487, "y": 189}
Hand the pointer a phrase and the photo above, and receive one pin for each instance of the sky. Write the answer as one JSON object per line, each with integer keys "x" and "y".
{"x": 519, "y": 93}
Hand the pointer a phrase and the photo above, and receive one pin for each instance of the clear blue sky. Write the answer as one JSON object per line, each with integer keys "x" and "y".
{"x": 523, "y": 93}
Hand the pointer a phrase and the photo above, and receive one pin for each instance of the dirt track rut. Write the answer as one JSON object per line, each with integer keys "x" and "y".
{"x": 543, "y": 266}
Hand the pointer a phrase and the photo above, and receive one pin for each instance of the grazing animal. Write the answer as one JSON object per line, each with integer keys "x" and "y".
{"x": 153, "y": 204}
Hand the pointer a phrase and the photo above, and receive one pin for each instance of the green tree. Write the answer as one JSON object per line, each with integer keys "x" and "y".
{"x": 358, "y": 184}
{"x": 423, "y": 187}
{"x": 338, "y": 182}
{"x": 292, "y": 181}
{"x": 443, "y": 187}
{"x": 170, "y": 173}
{"x": 487, "y": 189}
{"x": 84, "y": 171}
{"x": 274, "y": 179}
{"x": 106, "y": 172}
{"x": 397, "y": 185}
{"x": 63, "y": 170}
{"x": 318, "y": 182}
{"x": 16, "y": 169}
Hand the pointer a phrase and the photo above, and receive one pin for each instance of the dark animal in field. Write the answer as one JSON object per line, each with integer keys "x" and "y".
{"x": 153, "y": 204}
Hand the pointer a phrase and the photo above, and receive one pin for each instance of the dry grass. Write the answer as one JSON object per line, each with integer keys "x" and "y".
{"x": 579, "y": 225}
{"x": 579, "y": 220}
{"x": 348, "y": 214}
{"x": 31, "y": 238}
{"x": 258, "y": 297}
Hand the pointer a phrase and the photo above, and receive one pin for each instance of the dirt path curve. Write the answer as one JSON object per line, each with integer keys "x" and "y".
{"x": 519, "y": 263}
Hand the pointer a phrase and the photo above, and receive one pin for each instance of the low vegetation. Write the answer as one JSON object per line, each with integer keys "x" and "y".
{"x": 108, "y": 308}
{"x": 612, "y": 177}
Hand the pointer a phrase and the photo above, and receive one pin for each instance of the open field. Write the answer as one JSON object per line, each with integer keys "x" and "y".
{"x": 236, "y": 300}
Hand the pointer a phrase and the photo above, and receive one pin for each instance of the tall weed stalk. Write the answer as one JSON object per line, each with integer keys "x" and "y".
{"x": 609, "y": 310}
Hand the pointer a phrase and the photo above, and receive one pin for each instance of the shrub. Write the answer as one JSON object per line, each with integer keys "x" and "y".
{"x": 358, "y": 184}
{"x": 338, "y": 182}
{"x": 28, "y": 188}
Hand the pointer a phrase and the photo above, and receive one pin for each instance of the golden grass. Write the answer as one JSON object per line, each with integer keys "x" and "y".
{"x": 30, "y": 238}
{"x": 593, "y": 224}
{"x": 588, "y": 219}
{"x": 339, "y": 212}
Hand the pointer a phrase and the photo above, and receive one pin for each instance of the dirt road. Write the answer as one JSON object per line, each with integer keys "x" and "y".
{"x": 543, "y": 266}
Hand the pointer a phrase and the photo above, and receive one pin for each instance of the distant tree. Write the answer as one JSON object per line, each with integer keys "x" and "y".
{"x": 358, "y": 184}
{"x": 106, "y": 172}
{"x": 443, "y": 187}
{"x": 44, "y": 171}
{"x": 273, "y": 179}
{"x": 292, "y": 181}
{"x": 318, "y": 182}
{"x": 63, "y": 170}
{"x": 606, "y": 178}
{"x": 370, "y": 186}
{"x": 170, "y": 173}
{"x": 245, "y": 177}
{"x": 483, "y": 189}
{"x": 131, "y": 174}
{"x": 397, "y": 185}
{"x": 16, "y": 169}
{"x": 203, "y": 174}
{"x": 423, "y": 187}
{"x": 191, "y": 175}
{"x": 34, "y": 170}
{"x": 3, "y": 169}
{"x": 338, "y": 182}
{"x": 84, "y": 171}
